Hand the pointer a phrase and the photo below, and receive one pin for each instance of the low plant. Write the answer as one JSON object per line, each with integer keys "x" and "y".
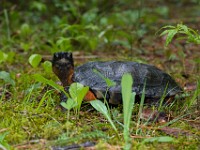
{"x": 191, "y": 36}
{"x": 74, "y": 96}
{"x": 77, "y": 93}
{"x": 128, "y": 102}
{"x": 68, "y": 105}
{"x": 35, "y": 59}
{"x": 83, "y": 36}
{"x": 183, "y": 31}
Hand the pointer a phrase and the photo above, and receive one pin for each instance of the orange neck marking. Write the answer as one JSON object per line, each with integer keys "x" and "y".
{"x": 89, "y": 96}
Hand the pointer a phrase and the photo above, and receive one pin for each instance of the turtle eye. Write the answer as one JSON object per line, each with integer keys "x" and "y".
{"x": 55, "y": 56}
{"x": 69, "y": 55}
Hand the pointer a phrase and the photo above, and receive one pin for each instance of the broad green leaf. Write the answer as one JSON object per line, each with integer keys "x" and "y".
{"x": 6, "y": 77}
{"x": 77, "y": 92}
{"x": 39, "y": 6}
{"x": 25, "y": 45}
{"x": 170, "y": 35}
{"x": 69, "y": 104}
{"x": 64, "y": 43}
{"x": 34, "y": 60}
{"x": 127, "y": 98}
{"x": 76, "y": 89}
{"x": 3, "y": 56}
{"x": 25, "y": 29}
{"x": 47, "y": 65}
{"x": 182, "y": 27}
{"x": 164, "y": 32}
{"x": 11, "y": 56}
{"x": 101, "y": 107}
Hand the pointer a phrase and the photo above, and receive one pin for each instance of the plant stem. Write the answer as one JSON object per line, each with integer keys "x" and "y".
{"x": 140, "y": 108}
{"x": 7, "y": 23}
{"x": 68, "y": 113}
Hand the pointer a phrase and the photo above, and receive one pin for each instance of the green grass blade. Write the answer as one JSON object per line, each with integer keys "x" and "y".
{"x": 101, "y": 107}
{"x": 41, "y": 79}
{"x": 140, "y": 108}
{"x": 127, "y": 82}
{"x": 128, "y": 101}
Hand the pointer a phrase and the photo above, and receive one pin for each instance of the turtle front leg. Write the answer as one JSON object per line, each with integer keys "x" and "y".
{"x": 90, "y": 96}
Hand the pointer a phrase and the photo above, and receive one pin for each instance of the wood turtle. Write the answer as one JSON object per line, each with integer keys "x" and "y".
{"x": 157, "y": 81}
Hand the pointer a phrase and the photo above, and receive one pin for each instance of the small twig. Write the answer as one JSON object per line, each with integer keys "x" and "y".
{"x": 29, "y": 144}
{"x": 3, "y": 130}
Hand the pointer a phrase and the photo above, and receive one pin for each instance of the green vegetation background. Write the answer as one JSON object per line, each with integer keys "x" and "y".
{"x": 31, "y": 115}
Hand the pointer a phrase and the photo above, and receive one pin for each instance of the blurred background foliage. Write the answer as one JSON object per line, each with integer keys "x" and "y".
{"x": 89, "y": 25}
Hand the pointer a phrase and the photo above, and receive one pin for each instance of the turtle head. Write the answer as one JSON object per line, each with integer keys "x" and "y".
{"x": 63, "y": 67}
